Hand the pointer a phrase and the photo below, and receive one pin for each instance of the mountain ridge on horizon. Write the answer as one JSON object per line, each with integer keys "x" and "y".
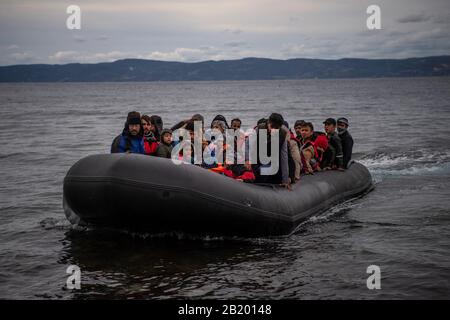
{"x": 249, "y": 68}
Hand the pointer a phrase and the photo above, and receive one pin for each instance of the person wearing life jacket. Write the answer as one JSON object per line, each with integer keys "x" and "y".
{"x": 150, "y": 141}
{"x": 131, "y": 140}
{"x": 307, "y": 151}
{"x": 320, "y": 148}
{"x": 164, "y": 149}
{"x": 214, "y": 147}
{"x": 346, "y": 139}
{"x": 333, "y": 139}
{"x": 328, "y": 155}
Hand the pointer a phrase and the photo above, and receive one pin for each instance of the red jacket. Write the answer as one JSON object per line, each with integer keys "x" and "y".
{"x": 150, "y": 147}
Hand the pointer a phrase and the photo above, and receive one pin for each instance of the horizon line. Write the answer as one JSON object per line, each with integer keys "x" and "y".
{"x": 193, "y": 62}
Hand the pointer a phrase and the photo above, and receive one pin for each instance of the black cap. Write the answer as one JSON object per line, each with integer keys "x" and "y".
{"x": 330, "y": 121}
{"x": 343, "y": 120}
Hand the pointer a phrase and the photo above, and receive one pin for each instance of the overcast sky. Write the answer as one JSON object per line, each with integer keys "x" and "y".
{"x": 34, "y": 31}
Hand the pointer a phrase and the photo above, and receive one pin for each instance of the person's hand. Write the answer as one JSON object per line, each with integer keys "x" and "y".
{"x": 248, "y": 166}
{"x": 242, "y": 180}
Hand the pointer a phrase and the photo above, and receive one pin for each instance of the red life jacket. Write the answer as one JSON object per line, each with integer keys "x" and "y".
{"x": 150, "y": 147}
{"x": 320, "y": 142}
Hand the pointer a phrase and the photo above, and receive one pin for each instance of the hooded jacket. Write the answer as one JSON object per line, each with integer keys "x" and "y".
{"x": 125, "y": 142}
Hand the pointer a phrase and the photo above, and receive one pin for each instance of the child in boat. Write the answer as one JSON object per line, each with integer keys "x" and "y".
{"x": 165, "y": 147}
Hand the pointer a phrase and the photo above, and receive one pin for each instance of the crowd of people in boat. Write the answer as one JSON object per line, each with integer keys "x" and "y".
{"x": 301, "y": 150}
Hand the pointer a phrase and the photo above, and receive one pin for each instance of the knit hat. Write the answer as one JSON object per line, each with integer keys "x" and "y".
{"x": 321, "y": 142}
{"x": 164, "y": 131}
{"x": 343, "y": 120}
{"x": 134, "y": 117}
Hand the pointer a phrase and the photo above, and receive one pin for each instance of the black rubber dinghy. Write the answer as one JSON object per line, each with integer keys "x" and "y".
{"x": 154, "y": 195}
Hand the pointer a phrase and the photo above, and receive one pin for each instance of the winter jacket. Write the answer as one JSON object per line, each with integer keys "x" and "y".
{"x": 164, "y": 151}
{"x": 335, "y": 142}
{"x": 347, "y": 147}
{"x": 128, "y": 143}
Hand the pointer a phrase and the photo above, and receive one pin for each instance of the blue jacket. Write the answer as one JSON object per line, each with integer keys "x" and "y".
{"x": 127, "y": 143}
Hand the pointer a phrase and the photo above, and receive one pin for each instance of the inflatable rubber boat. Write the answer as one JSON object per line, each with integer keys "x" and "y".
{"x": 153, "y": 195}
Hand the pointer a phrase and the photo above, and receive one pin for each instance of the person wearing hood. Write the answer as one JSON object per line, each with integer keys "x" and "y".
{"x": 150, "y": 141}
{"x": 346, "y": 139}
{"x": 131, "y": 140}
{"x": 157, "y": 126}
{"x": 164, "y": 149}
{"x": 220, "y": 117}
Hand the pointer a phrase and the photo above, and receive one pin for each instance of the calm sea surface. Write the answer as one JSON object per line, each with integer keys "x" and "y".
{"x": 401, "y": 129}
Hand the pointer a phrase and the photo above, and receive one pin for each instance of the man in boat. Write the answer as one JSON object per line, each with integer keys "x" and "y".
{"x": 131, "y": 139}
{"x": 346, "y": 139}
{"x": 150, "y": 141}
{"x": 281, "y": 177}
{"x": 337, "y": 157}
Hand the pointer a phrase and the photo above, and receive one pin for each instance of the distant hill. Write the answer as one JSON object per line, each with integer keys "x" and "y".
{"x": 243, "y": 69}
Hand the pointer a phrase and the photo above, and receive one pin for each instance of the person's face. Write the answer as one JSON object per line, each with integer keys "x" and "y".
{"x": 341, "y": 125}
{"x": 167, "y": 139}
{"x": 146, "y": 126}
{"x": 191, "y": 133}
{"x": 305, "y": 132}
{"x": 329, "y": 128}
{"x": 218, "y": 128}
{"x": 134, "y": 129}
{"x": 235, "y": 125}
{"x": 298, "y": 131}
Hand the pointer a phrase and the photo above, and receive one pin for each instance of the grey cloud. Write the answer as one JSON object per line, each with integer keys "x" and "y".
{"x": 235, "y": 44}
{"x": 233, "y": 31}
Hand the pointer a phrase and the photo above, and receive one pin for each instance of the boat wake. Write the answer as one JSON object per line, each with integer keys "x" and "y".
{"x": 411, "y": 163}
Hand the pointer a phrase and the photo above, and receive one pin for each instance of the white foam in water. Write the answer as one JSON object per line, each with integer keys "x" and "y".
{"x": 420, "y": 162}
